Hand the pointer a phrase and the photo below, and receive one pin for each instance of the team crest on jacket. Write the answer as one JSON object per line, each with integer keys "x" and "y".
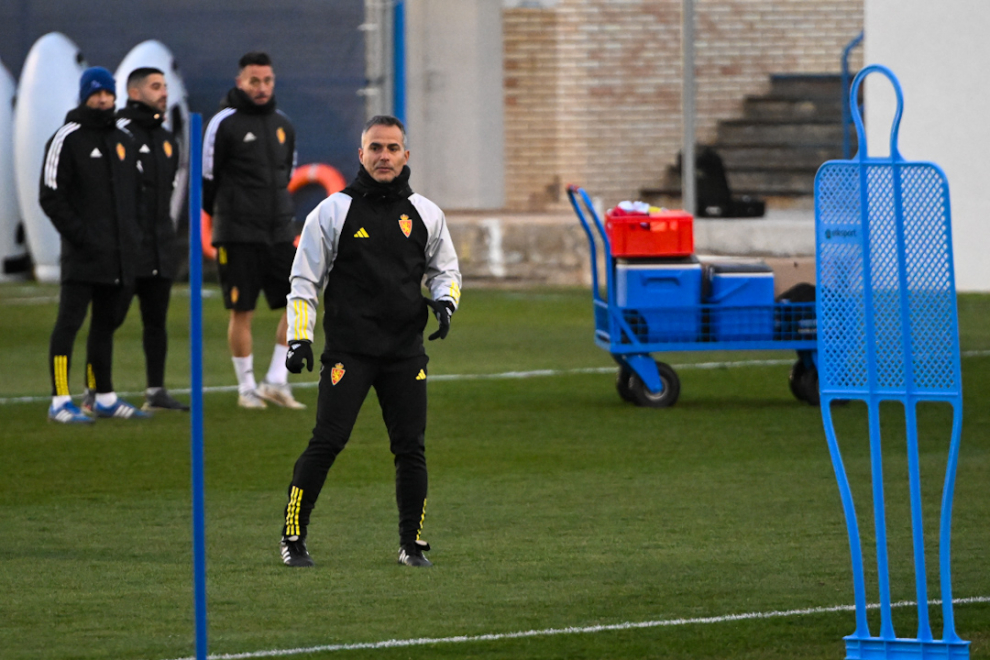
{"x": 167, "y": 147}
{"x": 280, "y": 134}
{"x": 336, "y": 373}
{"x": 405, "y": 224}
{"x": 121, "y": 152}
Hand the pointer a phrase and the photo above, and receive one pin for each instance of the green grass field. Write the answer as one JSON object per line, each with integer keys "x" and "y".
{"x": 552, "y": 504}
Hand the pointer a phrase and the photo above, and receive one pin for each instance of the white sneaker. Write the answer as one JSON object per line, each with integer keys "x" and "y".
{"x": 280, "y": 394}
{"x": 251, "y": 399}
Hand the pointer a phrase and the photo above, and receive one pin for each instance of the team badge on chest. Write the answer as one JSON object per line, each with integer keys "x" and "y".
{"x": 121, "y": 152}
{"x": 336, "y": 373}
{"x": 405, "y": 224}
{"x": 280, "y": 134}
{"x": 167, "y": 148}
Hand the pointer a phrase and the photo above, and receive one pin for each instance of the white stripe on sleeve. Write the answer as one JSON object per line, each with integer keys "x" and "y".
{"x": 54, "y": 152}
{"x": 313, "y": 263}
{"x": 209, "y": 140}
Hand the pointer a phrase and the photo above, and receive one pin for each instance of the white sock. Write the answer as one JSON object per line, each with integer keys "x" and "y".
{"x": 277, "y": 373}
{"x": 244, "y": 368}
{"x": 59, "y": 401}
{"x": 106, "y": 399}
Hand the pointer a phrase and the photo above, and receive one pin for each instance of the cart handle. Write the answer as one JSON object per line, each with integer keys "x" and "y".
{"x": 573, "y": 192}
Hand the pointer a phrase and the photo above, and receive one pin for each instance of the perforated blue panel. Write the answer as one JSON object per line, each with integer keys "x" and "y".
{"x": 842, "y": 319}
{"x": 885, "y": 288}
{"x": 934, "y": 335}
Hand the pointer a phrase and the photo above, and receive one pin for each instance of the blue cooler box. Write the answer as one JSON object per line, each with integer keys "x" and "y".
{"x": 660, "y": 298}
{"x": 740, "y": 296}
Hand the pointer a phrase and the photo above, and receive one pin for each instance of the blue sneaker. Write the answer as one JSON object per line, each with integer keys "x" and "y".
{"x": 120, "y": 410}
{"x": 68, "y": 413}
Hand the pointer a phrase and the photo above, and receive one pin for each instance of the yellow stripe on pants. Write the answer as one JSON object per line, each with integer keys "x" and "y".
{"x": 292, "y": 512}
{"x": 61, "y": 369}
{"x": 422, "y": 517}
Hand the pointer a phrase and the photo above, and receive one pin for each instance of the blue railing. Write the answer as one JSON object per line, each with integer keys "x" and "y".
{"x": 846, "y": 110}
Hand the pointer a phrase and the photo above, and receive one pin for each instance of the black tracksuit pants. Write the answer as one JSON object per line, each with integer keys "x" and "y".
{"x": 74, "y": 301}
{"x": 153, "y": 294}
{"x": 344, "y": 384}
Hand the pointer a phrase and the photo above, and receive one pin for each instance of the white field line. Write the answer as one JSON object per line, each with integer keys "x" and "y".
{"x": 47, "y": 300}
{"x": 550, "y": 632}
{"x": 540, "y": 373}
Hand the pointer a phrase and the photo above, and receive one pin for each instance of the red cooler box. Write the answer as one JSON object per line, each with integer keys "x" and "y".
{"x": 663, "y": 234}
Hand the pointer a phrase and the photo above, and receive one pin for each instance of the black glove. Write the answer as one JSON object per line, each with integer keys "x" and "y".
{"x": 300, "y": 352}
{"x": 443, "y": 310}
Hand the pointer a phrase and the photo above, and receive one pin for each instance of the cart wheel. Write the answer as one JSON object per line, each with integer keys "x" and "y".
{"x": 663, "y": 399}
{"x": 622, "y": 384}
{"x": 794, "y": 379}
{"x": 803, "y": 381}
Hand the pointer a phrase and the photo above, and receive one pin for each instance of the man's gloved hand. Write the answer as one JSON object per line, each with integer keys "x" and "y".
{"x": 443, "y": 310}
{"x": 300, "y": 352}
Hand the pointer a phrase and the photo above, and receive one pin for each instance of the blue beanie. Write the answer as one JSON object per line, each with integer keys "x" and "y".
{"x": 93, "y": 80}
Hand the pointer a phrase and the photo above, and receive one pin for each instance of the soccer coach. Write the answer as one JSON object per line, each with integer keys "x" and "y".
{"x": 370, "y": 247}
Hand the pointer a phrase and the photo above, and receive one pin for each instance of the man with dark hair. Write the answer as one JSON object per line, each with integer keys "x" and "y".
{"x": 370, "y": 248}
{"x": 156, "y": 260}
{"x": 89, "y": 190}
{"x": 248, "y": 156}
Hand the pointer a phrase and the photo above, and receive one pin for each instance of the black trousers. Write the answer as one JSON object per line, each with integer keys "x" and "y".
{"x": 344, "y": 384}
{"x": 153, "y": 294}
{"x": 74, "y": 301}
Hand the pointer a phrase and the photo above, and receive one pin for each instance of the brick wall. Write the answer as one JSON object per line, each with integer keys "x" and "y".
{"x": 593, "y": 87}
{"x": 531, "y": 108}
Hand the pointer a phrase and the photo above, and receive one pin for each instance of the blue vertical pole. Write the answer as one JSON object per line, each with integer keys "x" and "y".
{"x": 399, "y": 60}
{"x": 196, "y": 371}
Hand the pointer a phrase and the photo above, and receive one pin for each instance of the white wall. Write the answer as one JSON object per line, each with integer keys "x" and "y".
{"x": 939, "y": 51}
{"x": 454, "y": 101}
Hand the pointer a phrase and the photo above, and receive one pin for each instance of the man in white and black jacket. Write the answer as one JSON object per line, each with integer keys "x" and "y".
{"x": 370, "y": 248}
{"x": 89, "y": 191}
{"x": 156, "y": 260}
{"x": 249, "y": 151}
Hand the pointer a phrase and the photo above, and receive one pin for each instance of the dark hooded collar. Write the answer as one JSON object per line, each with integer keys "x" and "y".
{"x": 240, "y": 101}
{"x": 366, "y": 186}
{"x": 142, "y": 114}
{"x": 91, "y": 117}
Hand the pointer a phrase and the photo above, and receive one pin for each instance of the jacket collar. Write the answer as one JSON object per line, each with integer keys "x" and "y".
{"x": 142, "y": 114}
{"x": 237, "y": 99}
{"x": 91, "y": 117}
{"x": 366, "y": 186}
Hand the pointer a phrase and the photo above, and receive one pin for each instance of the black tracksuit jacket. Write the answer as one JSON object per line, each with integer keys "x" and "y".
{"x": 89, "y": 190}
{"x": 249, "y": 152}
{"x": 158, "y": 156}
{"x": 369, "y": 248}
{"x": 374, "y": 301}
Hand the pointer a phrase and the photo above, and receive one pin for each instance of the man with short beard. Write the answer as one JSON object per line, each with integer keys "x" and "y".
{"x": 157, "y": 261}
{"x": 89, "y": 189}
{"x": 249, "y": 152}
{"x": 369, "y": 249}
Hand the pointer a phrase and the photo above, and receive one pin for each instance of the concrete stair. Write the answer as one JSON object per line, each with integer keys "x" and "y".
{"x": 774, "y": 150}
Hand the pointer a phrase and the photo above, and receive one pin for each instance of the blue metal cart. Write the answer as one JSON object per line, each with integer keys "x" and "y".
{"x": 633, "y": 321}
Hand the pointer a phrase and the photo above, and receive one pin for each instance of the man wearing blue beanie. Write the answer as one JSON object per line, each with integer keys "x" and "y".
{"x": 95, "y": 79}
{"x": 89, "y": 189}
